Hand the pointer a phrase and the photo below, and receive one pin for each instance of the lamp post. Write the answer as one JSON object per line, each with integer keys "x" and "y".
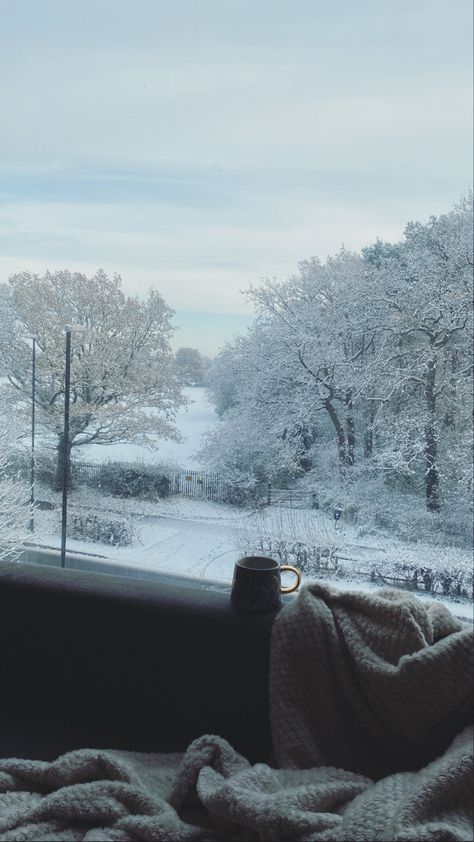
{"x": 33, "y": 398}
{"x": 68, "y": 329}
{"x": 33, "y": 409}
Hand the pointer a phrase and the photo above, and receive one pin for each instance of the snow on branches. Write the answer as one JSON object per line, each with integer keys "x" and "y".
{"x": 367, "y": 358}
{"x": 14, "y": 492}
{"x": 124, "y": 385}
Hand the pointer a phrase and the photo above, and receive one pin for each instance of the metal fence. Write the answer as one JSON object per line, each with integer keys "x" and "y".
{"x": 191, "y": 483}
{"x": 292, "y": 498}
{"x": 86, "y": 472}
{"x": 198, "y": 484}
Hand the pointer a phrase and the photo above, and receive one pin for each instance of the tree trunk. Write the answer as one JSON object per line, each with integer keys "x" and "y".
{"x": 431, "y": 442}
{"x": 306, "y": 436}
{"x": 450, "y": 416}
{"x": 350, "y": 427}
{"x": 432, "y": 475}
{"x": 339, "y": 429}
{"x": 369, "y": 436}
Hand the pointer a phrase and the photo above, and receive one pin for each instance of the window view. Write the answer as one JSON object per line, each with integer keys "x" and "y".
{"x": 235, "y": 289}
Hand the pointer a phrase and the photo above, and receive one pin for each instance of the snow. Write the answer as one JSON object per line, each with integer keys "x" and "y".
{"x": 318, "y": 528}
{"x": 174, "y": 535}
{"x": 198, "y": 538}
{"x": 202, "y": 539}
{"x": 191, "y": 421}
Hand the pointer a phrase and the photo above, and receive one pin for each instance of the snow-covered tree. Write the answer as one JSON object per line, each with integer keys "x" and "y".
{"x": 424, "y": 305}
{"x": 14, "y": 493}
{"x": 223, "y": 377}
{"x": 303, "y": 359}
{"x": 362, "y": 364}
{"x": 123, "y": 381}
{"x": 190, "y": 366}
{"x": 260, "y": 432}
{"x": 325, "y": 334}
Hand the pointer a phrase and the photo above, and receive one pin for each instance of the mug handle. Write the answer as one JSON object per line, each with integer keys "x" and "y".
{"x": 298, "y": 578}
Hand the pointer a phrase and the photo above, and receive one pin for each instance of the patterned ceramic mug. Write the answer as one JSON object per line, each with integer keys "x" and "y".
{"x": 256, "y": 586}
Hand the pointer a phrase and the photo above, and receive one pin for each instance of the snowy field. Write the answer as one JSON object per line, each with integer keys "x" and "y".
{"x": 191, "y": 421}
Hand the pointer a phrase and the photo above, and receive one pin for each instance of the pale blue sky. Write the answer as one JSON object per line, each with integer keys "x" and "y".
{"x": 198, "y": 146}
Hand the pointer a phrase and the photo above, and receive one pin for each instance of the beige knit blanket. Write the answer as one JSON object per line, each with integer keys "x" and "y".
{"x": 343, "y": 689}
{"x": 372, "y": 682}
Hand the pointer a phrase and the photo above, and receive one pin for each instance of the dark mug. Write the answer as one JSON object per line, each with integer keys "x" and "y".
{"x": 256, "y": 586}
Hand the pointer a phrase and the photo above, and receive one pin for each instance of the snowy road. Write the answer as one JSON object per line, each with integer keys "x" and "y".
{"x": 177, "y": 535}
{"x": 199, "y": 548}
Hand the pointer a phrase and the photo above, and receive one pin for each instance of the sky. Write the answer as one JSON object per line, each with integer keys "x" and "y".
{"x": 197, "y": 147}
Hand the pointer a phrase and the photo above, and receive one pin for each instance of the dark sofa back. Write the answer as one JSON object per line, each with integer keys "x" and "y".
{"x": 93, "y": 660}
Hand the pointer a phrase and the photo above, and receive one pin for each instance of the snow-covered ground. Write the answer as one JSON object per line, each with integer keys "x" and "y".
{"x": 178, "y": 534}
{"x": 199, "y": 538}
{"x": 203, "y": 539}
{"x": 191, "y": 421}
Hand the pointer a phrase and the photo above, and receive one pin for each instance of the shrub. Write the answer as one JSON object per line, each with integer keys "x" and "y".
{"x": 242, "y": 489}
{"x": 123, "y": 480}
{"x": 237, "y": 495}
{"x": 438, "y": 573}
{"x": 106, "y": 530}
{"x": 46, "y": 470}
{"x": 18, "y": 465}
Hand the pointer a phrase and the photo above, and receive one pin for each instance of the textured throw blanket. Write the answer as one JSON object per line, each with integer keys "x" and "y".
{"x": 375, "y": 682}
{"x": 363, "y": 688}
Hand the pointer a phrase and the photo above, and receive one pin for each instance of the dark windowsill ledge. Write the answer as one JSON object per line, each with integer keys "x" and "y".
{"x": 103, "y": 660}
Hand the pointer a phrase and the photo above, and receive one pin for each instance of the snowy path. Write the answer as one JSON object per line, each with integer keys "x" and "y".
{"x": 199, "y": 548}
{"x": 179, "y": 535}
{"x": 196, "y": 537}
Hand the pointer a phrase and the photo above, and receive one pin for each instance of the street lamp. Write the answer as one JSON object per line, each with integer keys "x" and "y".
{"x": 68, "y": 329}
{"x": 32, "y": 479}
{"x": 33, "y": 407}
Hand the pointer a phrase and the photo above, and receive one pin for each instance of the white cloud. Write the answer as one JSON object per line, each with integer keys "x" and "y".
{"x": 197, "y": 265}
{"x": 200, "y": 146}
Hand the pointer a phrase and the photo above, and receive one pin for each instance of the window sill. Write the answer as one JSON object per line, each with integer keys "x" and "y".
{"x": 109, "y": 661}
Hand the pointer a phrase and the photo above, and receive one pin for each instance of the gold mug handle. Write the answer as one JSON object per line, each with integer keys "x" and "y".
{"x": 298, "y": 578}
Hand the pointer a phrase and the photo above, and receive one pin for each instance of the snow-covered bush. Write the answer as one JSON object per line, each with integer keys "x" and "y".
{"x": 244, "y": 455}
{"x": 122, "y": 480}
{"x": 45, "y": 467}
{"x": 100, "y": 528}
{"x": 308, "y": 541}
{"x": 441, "y": 576}
{"x": 241, "y": 489}
{"x": 18, "y": 464}
{"x": 14, "y": 492}
{"x": 46, "y": 470}
{"x": 376, "y": 506}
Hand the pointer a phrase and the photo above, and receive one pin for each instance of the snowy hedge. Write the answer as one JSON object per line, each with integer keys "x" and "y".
{"x": 440, "y": 576}
{"x": 105, "y": 530}
{"x": 122, "y": 480}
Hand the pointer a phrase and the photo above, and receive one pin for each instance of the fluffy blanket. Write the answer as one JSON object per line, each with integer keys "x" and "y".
{"x": 361, "y": 688}
{"x": 375, "y": 683}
